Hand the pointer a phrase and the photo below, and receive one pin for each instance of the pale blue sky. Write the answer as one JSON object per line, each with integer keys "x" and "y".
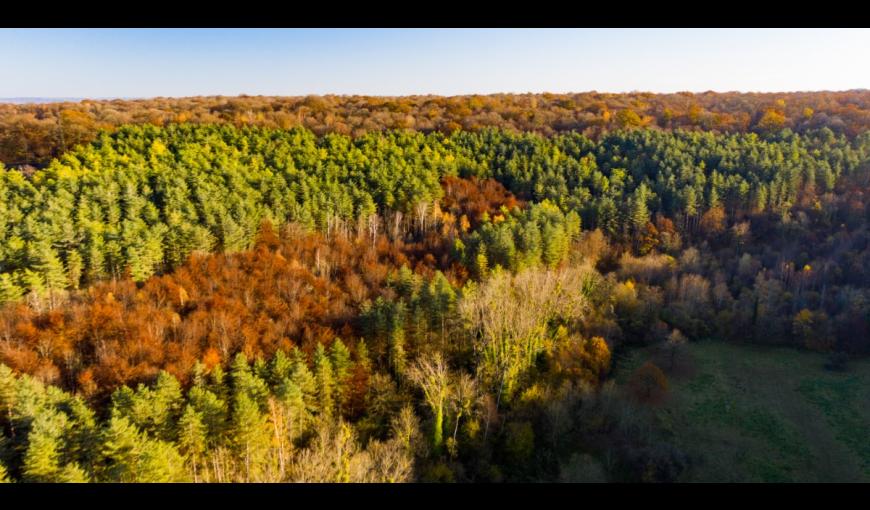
{"x": 187, "y": 62}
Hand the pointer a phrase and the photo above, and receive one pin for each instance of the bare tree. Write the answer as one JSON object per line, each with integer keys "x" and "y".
{"x": 462, "y": 399}
{"x": 432, "y": 376}
{"x": 508, "y": 317}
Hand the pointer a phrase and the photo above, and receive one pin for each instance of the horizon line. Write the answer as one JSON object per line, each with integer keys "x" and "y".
{"x": 48, "y": 99}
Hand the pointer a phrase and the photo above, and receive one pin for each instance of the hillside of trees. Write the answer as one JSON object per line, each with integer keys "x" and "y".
{"x": 216, "y": 302}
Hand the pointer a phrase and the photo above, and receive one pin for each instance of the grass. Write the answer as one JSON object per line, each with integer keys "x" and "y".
{"x": 753, "y": 414}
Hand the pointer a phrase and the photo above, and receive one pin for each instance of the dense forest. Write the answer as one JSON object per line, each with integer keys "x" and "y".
{"x": 33, "y": 134}
{"x": 409, "y": 289}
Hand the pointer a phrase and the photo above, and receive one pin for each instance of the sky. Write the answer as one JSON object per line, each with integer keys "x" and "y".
{"x": 103, "y": 63}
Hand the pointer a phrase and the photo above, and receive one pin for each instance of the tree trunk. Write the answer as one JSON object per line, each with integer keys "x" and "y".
{"x": 438, "y": 436}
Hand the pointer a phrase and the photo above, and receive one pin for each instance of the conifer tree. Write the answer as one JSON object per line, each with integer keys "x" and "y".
{"x": 396, "y": 346}
{"x": 9, "y": 290}
{"x": 73, "y": 473}
{"x": 192, "y": 438}
{"x": 49, "y": 266}
{"x": 304, "y": 379}
{"x": 218, "y": 382}
{"x": 444, "y": 299}
{"x": 120, "y": 451}
{"x": 4, "y": 475}
{"x": 297, "y": 415}
{"x": 42, "y": 458}
{"x": 362, "y": 355}
{"x": 166, "y": 404}
{"x": 83, "y": 436}
{"x": 251, "y": 437}
{"x": 212, "y": 411}
{"x": 341, "y": 365}
{"x": 280, "y": 368}
{"x": 160, "y": 462}
{"x": 247, "y": 382}
{"x": 74, "y": 268}
{"x": 7, "y": 398}
{"x": 325, "y": 377}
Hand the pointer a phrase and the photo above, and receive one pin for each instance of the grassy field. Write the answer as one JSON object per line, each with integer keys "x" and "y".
{"x": 752, "y": 414}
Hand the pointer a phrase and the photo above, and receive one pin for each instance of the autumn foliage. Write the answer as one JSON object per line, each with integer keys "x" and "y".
{"x": 294, "y": 288}
{"x": 648, "y": 383}
{"x": 32, "y": 134}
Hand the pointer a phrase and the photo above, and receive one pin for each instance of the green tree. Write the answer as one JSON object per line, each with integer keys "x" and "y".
{"x": 4, "y": 475}
{"x": 397, "y": 358}
{"x": 211, "y": 410}
{"x": 74, "y": 268}
{"x": 325, "y": 377}
{"x": 9, "y": 290}
{"x": 341, "y": 364}
{"x": 192, "y": 435}
{"x": 8, "y": 398}
{"x": 42, "y": 458}
{"x": 129, "y": 456}
{"x": 251, "y": 437}
{"x": 73, "y": 473}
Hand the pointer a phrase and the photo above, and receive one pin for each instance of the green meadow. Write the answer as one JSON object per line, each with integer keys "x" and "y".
{"x": 752, "y": 414}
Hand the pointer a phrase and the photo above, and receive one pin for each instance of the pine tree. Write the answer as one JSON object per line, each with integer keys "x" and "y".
{"x": 166, "y": 404}
{"x": 49, "y": 266}
{"x": 298, "y": 415}
{"x": 42, "y": 458}
{"x": 9, "y": 290}
{"x": 325, "y": 377}
{"x": 304, "y": 379}
{"x": 246, "y": 381}
{"x": 251, "y": 436}
{"x": 555, "y": 245}
{"x": 4, "y": 476}
{"x": 396, "y": 354}
{"x": 73, "y": 473}
{"x": 444, "y": 299}
{"x": 96, "y": 258}
{"x": 362, "y": 355}
{"x": 212, "y": 410}
{"x": 481, "y": 262}
{"x": 144, "y": 248}
{"x": 74, "y": 268}
{"x": 341, "y": 365}
{"x": 198, "y": 374}
{"x": 690, "y": 205}
{"x": 7, "y": 398}
{"x": 281, "y": 367}
{"x": 192, "y": 438}
{"x": 160, "y": 462}
{"x": 120, "y": 451}
{"x": 218, "y": 383}
{"x": 638, "y": 211}
{"x": 260, "y": 368}
{"x": 83, "y": 435}
{"x": 129, "y": 456}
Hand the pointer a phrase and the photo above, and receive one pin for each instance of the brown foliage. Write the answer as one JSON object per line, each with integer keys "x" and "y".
{"x": 298, "y": 288}
{"x": 473, "y": 197}
{"x": 648, "y": 383}
{"x": 583, "y": 360}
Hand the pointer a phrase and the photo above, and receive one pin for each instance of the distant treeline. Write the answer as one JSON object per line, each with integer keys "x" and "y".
{"x": 33, "y": 134}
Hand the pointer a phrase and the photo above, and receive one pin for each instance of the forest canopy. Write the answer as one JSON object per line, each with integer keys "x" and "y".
{"x": 33, "y": 134}
{"x": 403, "y": 289}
